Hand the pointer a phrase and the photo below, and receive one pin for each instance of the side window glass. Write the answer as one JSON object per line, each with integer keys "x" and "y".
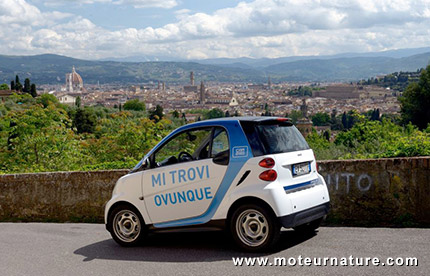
{"x": 187, "y": 146}
{"x": 220, "y": 142}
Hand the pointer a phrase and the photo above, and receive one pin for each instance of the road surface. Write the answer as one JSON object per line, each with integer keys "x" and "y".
{"x": 87, "y": 249}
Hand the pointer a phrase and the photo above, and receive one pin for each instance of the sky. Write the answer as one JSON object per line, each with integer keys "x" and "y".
{"x": 193, "y": 29}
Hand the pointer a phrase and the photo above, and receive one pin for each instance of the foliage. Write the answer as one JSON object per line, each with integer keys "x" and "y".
{"x": 156, "y": 114}
{"x": 36, "y": 139}
{"x": 33, "y": 91}
{"x": 42, "y": 135}
{"x": 415, "y": 102}
{"x": 47, "y": 99}
{"x": 295, "y": 115}
{"x": 214, "y": 113}
{"x": 134, "y": 105}
{"x": 321, "y": 119}
{"x": 78, "y": 101}
{"x": 301, "y": 91}
{"x": 373, "y": 139}
{"x": 84, "y": 120}
{"x": 4, "y": 86}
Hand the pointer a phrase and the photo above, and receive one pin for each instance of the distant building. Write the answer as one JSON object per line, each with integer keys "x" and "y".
{"x": 74, "y": 82}
{"x": 67, "y": 99}
{"x": 256, "y": 86}
{"x": 304, "y": 125}
{"x": 341, "y": 91}
{"x": 233, "y": 101}
{"x": 5, "y": 94}
{"x": 190, "y": 88}
{"x": 192, "y": 78}
{"x": 304, "y": 108}
{"x": 202, "y": 93}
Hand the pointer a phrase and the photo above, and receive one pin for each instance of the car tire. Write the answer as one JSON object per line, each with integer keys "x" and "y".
{"x": 126, "y": 225}
{"x": 254, "y": 228}
{"x": 309, "y": 227}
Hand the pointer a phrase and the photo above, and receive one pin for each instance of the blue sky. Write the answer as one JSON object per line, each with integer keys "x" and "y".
{"x": 94, "y": 29}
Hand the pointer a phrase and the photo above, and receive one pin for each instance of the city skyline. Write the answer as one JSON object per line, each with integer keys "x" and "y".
{"x": 96, "y": 29}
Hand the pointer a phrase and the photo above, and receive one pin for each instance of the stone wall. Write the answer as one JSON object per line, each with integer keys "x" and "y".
{"x": 379, "y": 192}
{"x": 382, "y": 192}
{"x": 57, "y": 196}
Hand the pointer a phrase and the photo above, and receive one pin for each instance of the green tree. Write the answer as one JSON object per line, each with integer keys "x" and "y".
{"x": 78, "y": 102}
{"x": 134, "y": 105}
{"x": 18, "y": 85}
{"x": 415, "y": 102}
{"x": 4, "y": 86}
{"x": 295, "y": 115}
{"x": 156, "y": 114}
{"x": 214, "y": 113}
{"x": 12, "y": 85}
{"x": 47, "y": 99}
{"x": 27, "y": 85}
{"x": 39, "y": 139}
{"x": 344, "y": 120}
{"x": 175, "y": 114}
{"x": 84, "y": 120}
{"x": 33, "y": 90}
{"x": 321, "y": 119}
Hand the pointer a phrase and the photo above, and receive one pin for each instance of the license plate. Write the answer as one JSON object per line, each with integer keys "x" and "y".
{"x": 301, "y": 169}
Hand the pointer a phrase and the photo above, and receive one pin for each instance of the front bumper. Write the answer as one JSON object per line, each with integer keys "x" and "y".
{"x": 305, "y": 216}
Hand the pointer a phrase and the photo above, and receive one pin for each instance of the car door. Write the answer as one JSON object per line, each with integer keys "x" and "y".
{"x": 186, "y": 173}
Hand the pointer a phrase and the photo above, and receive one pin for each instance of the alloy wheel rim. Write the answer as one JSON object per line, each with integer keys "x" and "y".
{"x": 126, "y": 226}
{"x": 252, "y": 227}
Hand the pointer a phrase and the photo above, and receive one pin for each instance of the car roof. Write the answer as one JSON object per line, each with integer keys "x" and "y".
{"x": 242, "y": 119}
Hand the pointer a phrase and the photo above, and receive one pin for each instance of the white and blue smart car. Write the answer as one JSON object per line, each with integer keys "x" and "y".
{"x": 249, "y": 175}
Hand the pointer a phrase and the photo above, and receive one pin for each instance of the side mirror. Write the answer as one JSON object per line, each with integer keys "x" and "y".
{"x": 222, "y": 158}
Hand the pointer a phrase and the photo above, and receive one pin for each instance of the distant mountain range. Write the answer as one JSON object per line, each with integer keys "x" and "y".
{"x": 51, "y": 69}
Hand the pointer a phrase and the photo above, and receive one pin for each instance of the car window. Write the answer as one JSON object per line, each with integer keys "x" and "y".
{"x": 278, "y": 138}
{"x": 220, "y": 142}
{"x": 187, "y": 146}
{"x": 273, "y": 137}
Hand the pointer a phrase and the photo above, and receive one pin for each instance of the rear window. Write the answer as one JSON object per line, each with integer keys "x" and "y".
{"x": 271, "y": 137}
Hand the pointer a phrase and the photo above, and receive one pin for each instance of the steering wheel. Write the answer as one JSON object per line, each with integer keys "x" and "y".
{"x": 184, "y": 156}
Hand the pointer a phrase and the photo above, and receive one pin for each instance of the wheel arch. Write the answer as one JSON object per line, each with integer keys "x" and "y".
{"x": 248, "y": 200}
{"x": 118, "y": 203}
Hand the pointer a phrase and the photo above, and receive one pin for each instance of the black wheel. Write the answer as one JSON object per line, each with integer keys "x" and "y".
{"x": 254, "y": 228}
{"x": 309, "y": 227}
{"x": 126, "y": 225}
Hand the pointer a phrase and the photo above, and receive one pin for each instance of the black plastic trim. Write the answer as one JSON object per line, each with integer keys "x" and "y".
{"x": 305, "y": 216}
{"x": 244, "y": 176}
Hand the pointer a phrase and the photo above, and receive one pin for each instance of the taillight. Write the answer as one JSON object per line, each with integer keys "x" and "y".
{"x": 267, "y": 163}
{"x": 269, "y": 175}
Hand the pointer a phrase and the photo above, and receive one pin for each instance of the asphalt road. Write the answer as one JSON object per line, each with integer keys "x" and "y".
{"x": 87, "y": 249}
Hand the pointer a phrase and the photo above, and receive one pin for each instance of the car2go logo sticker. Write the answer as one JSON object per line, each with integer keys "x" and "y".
{"x": 240, "y": 152}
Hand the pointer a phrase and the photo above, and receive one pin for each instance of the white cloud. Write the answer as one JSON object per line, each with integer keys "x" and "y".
{"x": 262, "y": 28}
{"x": 165, "y": 4}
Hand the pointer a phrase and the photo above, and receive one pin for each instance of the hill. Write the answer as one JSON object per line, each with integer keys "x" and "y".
{"x": 51, "y": 69}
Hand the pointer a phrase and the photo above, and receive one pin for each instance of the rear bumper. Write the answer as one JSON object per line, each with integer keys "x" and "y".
{"x": 305, "y": 216}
